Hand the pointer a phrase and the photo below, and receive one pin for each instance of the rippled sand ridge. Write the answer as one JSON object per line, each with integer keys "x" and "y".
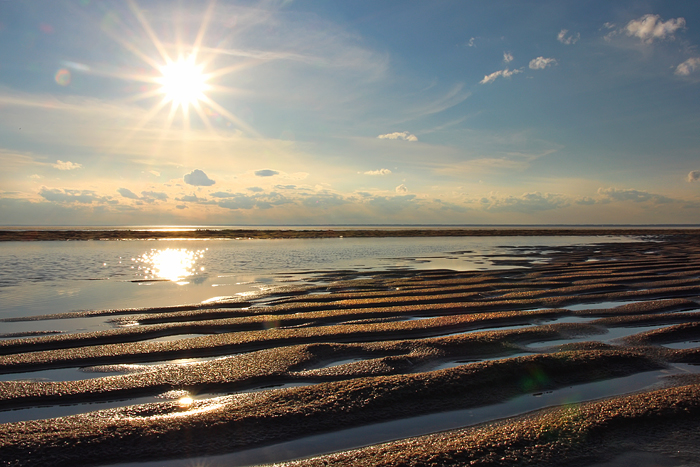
{"x": 587, "y": 356}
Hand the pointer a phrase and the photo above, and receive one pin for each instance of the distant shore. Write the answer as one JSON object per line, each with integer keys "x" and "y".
{"x": 57, "y": 235}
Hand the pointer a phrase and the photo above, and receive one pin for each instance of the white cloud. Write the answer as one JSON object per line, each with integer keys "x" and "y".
{"x": 507, "y": 57}
{"x": 688, "y": 67}
{"x": 198, "y": 178}
{"x": 404, "y": 135}
{"x": 540, "y": 63}
{"x": 68, "y": 165}
{"x": 568, "y": 40}
{"x": 694, "y": 176}
{"x": 471, "y": 42}
{"x": 153, "y": 172}
{"x": 650, "y": 27}
{"x": 378, "y": 172}
{"x": 503, "y": 73}
{"x": 402, "y": 189}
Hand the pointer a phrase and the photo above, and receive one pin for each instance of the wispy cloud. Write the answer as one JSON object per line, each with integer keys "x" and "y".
{"x": 378, "y": 172}
{"x": 404, "y": 135}
{"x": 637, "y": 196}
{"x": 67, "y": 165}
{"x": 71, "y": 196}
{"x": 507, "y": 57}
{"x": 694, "y": 176}
{"x": 500, "y": 73}
{"x": 526, "y": 203}
{"x": 649, "y": 28}
{"x": 540, "y": 63}
{"x": 402, "y": 189}
{"x": 568, "y": 39}
{"x": 689, "y": 66}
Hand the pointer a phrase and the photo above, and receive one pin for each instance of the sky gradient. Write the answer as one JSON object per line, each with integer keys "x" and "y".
{"x": 362, "y": 112}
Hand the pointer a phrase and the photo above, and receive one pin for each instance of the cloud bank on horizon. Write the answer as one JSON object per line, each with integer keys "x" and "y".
{"x": 282, "y": 112}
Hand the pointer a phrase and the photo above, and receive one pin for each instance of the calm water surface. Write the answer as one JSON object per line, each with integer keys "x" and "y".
{"x": 53, "y": 277}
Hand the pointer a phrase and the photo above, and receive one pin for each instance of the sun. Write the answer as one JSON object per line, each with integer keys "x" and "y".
{"x": 183, "y": 82}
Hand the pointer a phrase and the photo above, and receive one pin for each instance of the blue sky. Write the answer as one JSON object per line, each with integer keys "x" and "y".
{"x": 324, "y": 112}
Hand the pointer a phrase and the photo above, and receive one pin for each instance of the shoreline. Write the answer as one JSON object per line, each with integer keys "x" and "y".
{"x": 238, "y": 234}
{"x": 383, "y": 348}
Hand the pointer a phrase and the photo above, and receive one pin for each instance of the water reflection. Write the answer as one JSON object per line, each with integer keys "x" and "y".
{"x": 169, "y": 264}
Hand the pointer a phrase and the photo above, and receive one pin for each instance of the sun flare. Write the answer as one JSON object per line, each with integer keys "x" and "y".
{"x": 183, "y": 83}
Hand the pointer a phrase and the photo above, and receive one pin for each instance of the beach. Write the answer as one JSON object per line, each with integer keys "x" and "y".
{"x": 579, "y": 354}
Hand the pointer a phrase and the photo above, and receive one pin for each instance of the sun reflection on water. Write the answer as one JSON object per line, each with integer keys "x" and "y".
{"x": 169, "y": 264}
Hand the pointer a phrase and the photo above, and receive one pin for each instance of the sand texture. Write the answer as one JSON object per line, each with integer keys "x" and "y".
{"x": 363, "y": 349}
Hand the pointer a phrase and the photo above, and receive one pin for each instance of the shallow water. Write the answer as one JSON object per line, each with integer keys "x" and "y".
{"x": 425, "y": 424}
{"x": 39, "y": 278}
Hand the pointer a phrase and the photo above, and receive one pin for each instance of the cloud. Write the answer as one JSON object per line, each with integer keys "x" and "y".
{"x": 401, "y": 189}
{"x": 68, "y": 165}
{"x": 71, "y": 196}
{"x": 236, "y": 201}
{"x": 694, "y": 176}
{"x": 126, "y": 193}
{"x": 325, "y": 200}
{"x": 154, "y": 172}
{"x": 688, "y": 67}
{"x": 648, "y": 28}
{"x": 190, "y": 199}
{"x": 471, "y": 42}
{"x": 507, "y": 57}
{"x": 266, "y": 173}
{"x": 404, "y": 135}
{"x": 540, "y": 63}
{"x": 526, "y": 203}
{"x": 502, "y": 73}
{"x": 254, "y": 189}
{"x": 586, "y": 201}
{"x": 568, "y": 40}
{"x": 154, "y": 195}
{"x": 378, "y": 172}
{"x": 636, "y": 196}
{"x": 198, "y": 178}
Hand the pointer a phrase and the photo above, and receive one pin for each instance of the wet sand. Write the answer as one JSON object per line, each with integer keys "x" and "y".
{"x": 146, "y": 234}
{"x": 395, "y": 345}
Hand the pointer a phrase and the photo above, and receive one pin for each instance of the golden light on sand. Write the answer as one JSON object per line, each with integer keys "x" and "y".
{"x": 183, "y": 83}
{"x": 185, "y": 402}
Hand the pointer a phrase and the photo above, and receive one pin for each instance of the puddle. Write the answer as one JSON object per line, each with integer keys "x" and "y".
{"x": 91, "y": 372}
{"x": 605, "y": 337}
{"x": 64, "y": 410}
{"x": 353, "y": 438}
{"x": 54, "y": 411}
{"x": 682, "y": 345}
{"x": 62, "y": 326}
{"x": 599, "y": 305}
{"x": 445, "y": 364}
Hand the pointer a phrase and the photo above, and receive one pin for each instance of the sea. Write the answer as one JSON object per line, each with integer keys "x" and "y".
{"x": 52, "y": 277}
